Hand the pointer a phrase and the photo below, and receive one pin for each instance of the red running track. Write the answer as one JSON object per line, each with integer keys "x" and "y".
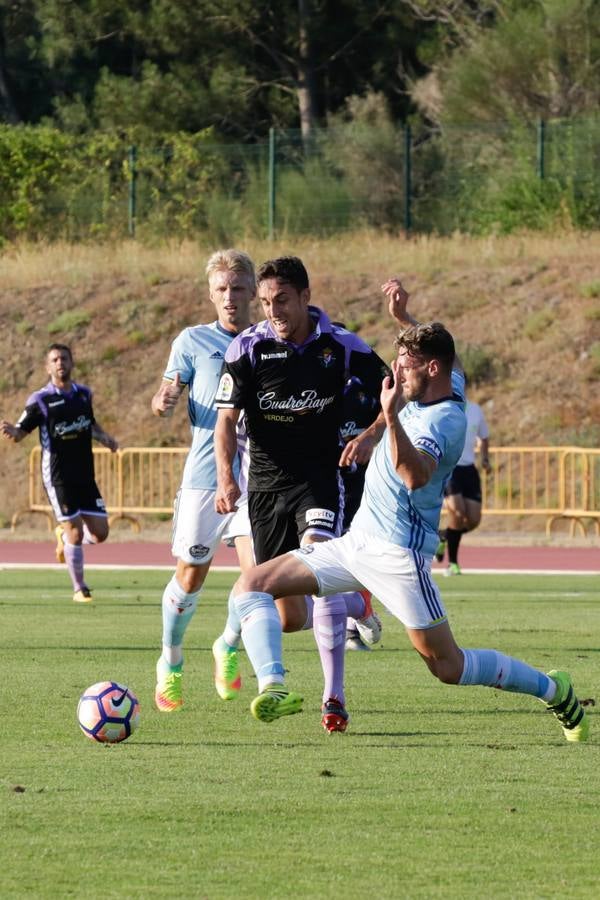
{"x": 133, "y": 553}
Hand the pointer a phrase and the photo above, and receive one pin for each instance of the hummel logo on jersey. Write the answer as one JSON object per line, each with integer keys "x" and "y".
{"x": 282, "y": 355}
{"x": 57, "y": 403}
{"x": 216, "y": 355}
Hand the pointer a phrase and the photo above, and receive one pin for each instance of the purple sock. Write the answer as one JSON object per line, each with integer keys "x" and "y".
{"x": 74, "y": 561}
{"x": 329, "y": 626}
{"x": 355, "y": 604}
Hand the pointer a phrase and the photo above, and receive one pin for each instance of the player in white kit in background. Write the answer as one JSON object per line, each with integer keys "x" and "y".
{"x": 463, "y": 491}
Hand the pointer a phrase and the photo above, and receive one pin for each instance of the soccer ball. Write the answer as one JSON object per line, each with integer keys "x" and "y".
{"x": 108, "y": 712}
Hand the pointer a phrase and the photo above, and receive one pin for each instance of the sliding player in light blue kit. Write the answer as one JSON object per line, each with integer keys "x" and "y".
{"x": 392, "y": 539}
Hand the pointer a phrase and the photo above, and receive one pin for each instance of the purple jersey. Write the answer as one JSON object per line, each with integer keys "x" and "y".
{"x": 293, "y": 398}
{"x": 65, "y": 421}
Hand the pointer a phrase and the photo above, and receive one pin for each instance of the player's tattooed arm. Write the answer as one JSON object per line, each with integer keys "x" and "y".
{"x": 100, "y": 435}
{"x": 165, "y": 399}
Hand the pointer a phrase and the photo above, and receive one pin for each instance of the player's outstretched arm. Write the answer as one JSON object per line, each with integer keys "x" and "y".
{"x": 165, "y": 399}
{"x": 12, "y": 432}
{"x": 360, "y": 449}
{"x": 228, "y": 492}
{"x": 100, "y": 435}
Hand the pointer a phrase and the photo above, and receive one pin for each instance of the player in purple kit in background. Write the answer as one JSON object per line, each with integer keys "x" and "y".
{"x": 288, "y": 375}
{"x": 62, "y": 410}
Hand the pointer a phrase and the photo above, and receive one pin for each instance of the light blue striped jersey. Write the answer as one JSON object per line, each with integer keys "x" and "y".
{"x": 388, "y": 508}
{"x": 197, "y": 353}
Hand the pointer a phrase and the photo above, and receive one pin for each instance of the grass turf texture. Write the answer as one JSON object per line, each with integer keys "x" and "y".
{"x": 434, "y": 791}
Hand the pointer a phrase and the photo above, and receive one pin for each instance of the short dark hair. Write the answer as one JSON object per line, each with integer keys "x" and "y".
{"x": 287, "y": 269}
{"x": 431, "y": 341}
{"x": 60, "y": 347}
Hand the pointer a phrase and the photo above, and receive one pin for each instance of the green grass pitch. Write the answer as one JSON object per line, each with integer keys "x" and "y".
{"x": 434, "y": 791}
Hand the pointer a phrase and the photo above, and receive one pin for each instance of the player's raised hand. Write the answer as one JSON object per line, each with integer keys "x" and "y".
{"x": 166, "y": 397}
{"x": 397, "y": 300}
{"x": 391, "y": 393}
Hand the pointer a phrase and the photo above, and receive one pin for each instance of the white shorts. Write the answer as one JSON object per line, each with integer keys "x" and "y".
{"x": 239, "y": 524}
{"x": 197, "y": 526}
{"x": 399, "y": 578}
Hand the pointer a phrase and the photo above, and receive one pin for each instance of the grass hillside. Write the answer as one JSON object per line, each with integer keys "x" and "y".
{"x": 525, "y": 312}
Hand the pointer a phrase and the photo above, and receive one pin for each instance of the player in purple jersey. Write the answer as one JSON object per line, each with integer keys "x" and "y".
{"x": 62, "y": 410}
{"x": 391, "y": 542}
{"x": 288, "y": 375}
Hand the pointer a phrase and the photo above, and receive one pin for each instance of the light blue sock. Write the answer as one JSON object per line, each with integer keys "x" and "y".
{"x": 261, "y": 633}
{"x": 178, "y": 607}
{"x": 494, "y": 669}
{"x": 232, "y": 634}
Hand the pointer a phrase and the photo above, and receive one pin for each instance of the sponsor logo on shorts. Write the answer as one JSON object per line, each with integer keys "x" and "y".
{"x": 225, "y": 389}
{"x": 100, "y": 503}
{"x": 197, "y": 551}
{"x": 274, "y": 355}
{"x": 320, "y": 517}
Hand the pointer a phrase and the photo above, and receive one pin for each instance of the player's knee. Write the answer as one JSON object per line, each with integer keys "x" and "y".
{"x": 291, "y": 621}
{"x": 247, "y": 583}
{"x": 190, "y": 579}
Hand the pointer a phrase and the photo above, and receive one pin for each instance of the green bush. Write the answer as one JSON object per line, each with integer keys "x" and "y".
{"x": 478, "y": 363}
{"x": 591, "y": 289}
{"x": 538, "y": 323}
{"x": 68, "y": 321}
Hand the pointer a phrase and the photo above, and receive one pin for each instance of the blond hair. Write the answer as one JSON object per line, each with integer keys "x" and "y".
{"x": 233, "y": 261}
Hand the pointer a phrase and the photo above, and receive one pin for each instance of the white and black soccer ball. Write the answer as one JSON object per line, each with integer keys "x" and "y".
{"x": 108, "y": 712}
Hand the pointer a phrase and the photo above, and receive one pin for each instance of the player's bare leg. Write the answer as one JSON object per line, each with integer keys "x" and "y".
{"x": 452, "y": 664}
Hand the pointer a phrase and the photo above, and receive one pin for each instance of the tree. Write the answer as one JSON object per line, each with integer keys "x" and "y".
{"x": 237, "y": 65}
{"x": 530, "y": 59}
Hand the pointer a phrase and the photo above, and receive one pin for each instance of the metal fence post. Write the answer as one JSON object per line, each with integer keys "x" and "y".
{"x": 132, "y": 205}
{"x": 272, "y": 150}
{"x": 407, "y": 179}
{"x": 541, "y": 149}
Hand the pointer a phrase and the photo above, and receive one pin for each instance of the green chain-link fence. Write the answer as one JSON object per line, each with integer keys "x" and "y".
{"x": 473, "y": 179}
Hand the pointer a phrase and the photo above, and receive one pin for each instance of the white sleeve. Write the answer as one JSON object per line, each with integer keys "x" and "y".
{"x": 483, "y": 431}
